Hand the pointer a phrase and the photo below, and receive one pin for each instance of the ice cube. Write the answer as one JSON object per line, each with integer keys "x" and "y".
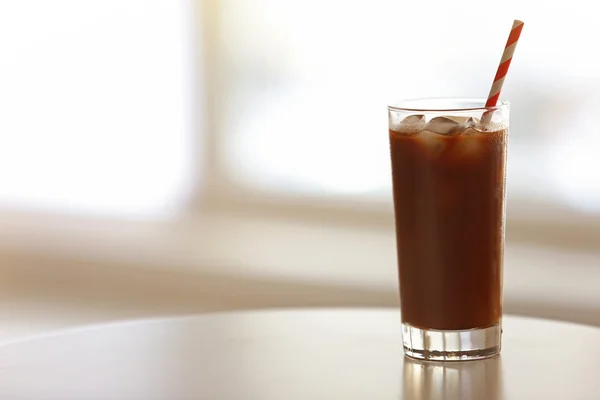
{"x": 467, "y": 121}
{"x": 449, "y": 125}
{"x": 472, "y": 128}
{"x": 411, "y": 124}
{"x": 470, "y": 144}
{"x": 434, "y": 142}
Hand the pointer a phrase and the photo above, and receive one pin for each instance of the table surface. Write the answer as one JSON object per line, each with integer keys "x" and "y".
{"x": 293, "y": 354}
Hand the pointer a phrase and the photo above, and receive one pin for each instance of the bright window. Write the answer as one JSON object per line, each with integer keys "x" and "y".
{"x": 95, "y": 105}
{"x": 308, "y": 81}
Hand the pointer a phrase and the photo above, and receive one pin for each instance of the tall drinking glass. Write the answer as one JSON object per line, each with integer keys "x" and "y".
{"x": 448, "y": 167}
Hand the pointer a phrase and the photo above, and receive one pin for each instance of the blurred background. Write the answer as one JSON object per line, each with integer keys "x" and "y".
{"x": 163, "y": 157}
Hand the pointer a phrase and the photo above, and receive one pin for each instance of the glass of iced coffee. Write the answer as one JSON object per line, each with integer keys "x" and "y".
{"x": 448, "y": 168}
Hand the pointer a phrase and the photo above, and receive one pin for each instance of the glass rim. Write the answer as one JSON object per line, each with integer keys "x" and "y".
{"x": 404, "y": 105}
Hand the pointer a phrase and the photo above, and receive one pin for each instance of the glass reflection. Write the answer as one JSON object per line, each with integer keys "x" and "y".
{"x": 458, "y": 380}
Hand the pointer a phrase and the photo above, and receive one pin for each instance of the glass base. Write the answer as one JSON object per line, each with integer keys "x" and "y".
{"x": 439, "y": 345}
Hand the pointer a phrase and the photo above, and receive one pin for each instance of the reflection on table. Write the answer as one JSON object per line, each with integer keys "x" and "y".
{"x": 469, "y": 380}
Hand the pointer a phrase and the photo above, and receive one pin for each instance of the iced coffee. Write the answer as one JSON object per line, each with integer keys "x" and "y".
{"x": 448, "y": 169}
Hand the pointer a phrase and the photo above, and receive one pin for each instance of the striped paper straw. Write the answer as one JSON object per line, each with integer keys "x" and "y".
{"x": 509, "y": 50}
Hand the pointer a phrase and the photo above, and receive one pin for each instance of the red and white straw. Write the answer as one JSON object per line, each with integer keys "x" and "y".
{"x": 509, "y": 50}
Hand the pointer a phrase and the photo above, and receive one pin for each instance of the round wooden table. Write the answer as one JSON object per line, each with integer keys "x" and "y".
{"x": 302, "y": 354}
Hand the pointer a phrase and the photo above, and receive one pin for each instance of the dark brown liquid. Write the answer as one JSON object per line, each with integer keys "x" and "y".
{"x": 449, "y": 209}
